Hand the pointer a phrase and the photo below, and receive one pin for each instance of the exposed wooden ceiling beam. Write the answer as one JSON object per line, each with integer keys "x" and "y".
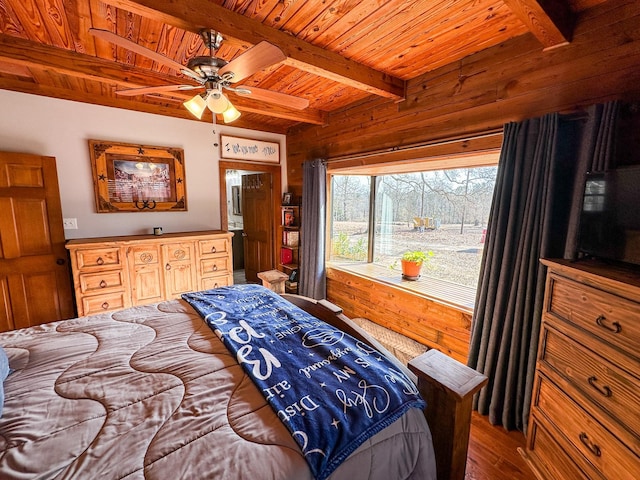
{"x": 128, "y": 104}
{"x": 193, "y": 15}
{"x": 550, "y": 21}
{"x": 26, "y": 53}
{"x": 308, "y": 115}
{"x": 84, "y": 97}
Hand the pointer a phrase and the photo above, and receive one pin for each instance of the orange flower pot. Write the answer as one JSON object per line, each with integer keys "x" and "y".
{"x": 411, "y": 269}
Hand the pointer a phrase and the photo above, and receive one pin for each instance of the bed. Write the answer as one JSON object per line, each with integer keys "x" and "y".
{"x": 152, "y": 392}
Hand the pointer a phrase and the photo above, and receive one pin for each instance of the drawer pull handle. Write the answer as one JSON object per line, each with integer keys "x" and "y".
{"x": 595, "y": 449}
{"x": 213, "y": 249}
{"x": 167, "y": 267}
{"x": 215, "y": 268}
{"x": 604, "y": 391}
{"x": 100, "y": 261}
{"x": 215, "y": 285}
{"x": 103, "y": 284}
{"x": 615, "y": 327}
{"x": 105, "y": 305}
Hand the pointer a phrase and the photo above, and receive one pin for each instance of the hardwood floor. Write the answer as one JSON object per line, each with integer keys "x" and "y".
{"x": 493, "y": 453}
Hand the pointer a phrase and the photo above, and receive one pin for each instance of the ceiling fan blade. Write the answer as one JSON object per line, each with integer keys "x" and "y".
{"x": 134, "y": 47}
{"x": 260, "y": 56}
{"x": 163, "y": 88}
{"x": 270, "y": 96}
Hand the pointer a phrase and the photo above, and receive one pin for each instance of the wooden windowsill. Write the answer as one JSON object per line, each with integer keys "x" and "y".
{"x": 458, "y": 297}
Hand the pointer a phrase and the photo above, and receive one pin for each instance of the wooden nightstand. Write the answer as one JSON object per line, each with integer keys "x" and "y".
{"x": 273, "y": 280}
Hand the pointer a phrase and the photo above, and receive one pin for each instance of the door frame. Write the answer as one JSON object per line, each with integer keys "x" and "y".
{"x": 276, "y": 175}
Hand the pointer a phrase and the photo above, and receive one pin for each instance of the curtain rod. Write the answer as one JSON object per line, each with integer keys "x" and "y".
{"x": 374, "y": 153}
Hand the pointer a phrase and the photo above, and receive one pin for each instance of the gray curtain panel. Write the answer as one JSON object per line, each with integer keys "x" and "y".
{"x": 312, "y": 281}
{"x": 530, "y": 219}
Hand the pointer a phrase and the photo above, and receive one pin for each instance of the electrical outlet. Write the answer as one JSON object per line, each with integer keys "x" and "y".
{"x": 70, "y": 223}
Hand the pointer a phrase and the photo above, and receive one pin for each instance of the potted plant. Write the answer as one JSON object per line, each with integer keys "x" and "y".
{"x": 412, "y": 262}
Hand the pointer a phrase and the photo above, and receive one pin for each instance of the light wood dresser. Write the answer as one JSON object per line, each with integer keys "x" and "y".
{"x": 585, "y": 410}
{"x": 110, "y": 273}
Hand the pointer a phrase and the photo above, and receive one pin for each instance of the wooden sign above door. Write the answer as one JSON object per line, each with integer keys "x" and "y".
{"x": 249, "y": 149}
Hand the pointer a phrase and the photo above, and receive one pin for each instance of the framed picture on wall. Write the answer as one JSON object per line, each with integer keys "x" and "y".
{"x": 137, "y": 178}
{"x": 286, "y": 198}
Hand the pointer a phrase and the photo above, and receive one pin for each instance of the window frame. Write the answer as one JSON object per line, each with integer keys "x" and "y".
{"x": 486, "y": 158}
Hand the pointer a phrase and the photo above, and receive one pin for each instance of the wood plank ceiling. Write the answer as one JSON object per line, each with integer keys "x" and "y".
{"x": 338, "y": 51}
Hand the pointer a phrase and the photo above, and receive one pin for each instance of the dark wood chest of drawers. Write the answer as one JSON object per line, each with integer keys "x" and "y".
{"x": 585, "y": 410}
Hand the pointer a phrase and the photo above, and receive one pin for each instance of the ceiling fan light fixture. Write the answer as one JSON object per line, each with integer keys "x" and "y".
{"x": 196, "y": 106}
{"x": 230, "y": 114}
{"x": 213, "y": 74}
{"x": 217, "y": 102}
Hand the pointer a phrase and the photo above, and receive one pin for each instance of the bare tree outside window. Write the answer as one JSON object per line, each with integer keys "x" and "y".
{"x": 349, "y": 218}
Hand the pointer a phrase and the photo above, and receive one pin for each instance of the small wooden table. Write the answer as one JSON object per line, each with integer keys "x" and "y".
{"x": 273, "y": 280}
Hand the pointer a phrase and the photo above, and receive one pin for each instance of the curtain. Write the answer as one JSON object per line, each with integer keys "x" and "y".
{"x": 530, "y": 219}
{"x": 314, "y": 195}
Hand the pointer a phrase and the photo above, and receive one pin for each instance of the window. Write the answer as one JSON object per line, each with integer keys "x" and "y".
{"x": 442, "y": 211}
{"x": 350, "y": 218}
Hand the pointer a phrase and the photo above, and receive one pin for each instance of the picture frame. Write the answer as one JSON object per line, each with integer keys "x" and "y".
{"x": 287, "y": 198}
{"x": 239, "y": 148}
{"x": 137, "y": 178}
{"x": 288, "y": 217}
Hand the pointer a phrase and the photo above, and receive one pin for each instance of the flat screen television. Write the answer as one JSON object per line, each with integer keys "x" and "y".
{"x": 609, "y": 226}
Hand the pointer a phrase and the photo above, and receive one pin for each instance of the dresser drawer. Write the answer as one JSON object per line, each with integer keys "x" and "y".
{"x": 550, "y": 457}
{"x": 178, "y": 252}
{"x": 594, "y": 443}
{"x": 103, "y": 303}
{"x": 98, "y": 258}
{"x": 209, "y": 266}
{"x": 144, "y": 254}
{"x": 604, "y": 386}
{"x": 92, "y": 283}
{"x": 207, "y": 283}
{"x": 213, "y": 246}
{"x": 613, "y": 319}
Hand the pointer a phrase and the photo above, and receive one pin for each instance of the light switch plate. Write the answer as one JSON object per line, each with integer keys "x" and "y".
{"x": 70, "y": 223}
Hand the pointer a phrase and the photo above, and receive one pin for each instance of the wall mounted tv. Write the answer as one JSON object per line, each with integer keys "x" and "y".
{"x": 610, "y": 220}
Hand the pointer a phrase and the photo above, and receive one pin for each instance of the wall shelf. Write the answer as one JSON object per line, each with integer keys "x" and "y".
{"x": 289, "y": 258}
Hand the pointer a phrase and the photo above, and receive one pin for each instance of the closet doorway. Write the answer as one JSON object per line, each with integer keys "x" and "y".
{"x": 250, "y": 216}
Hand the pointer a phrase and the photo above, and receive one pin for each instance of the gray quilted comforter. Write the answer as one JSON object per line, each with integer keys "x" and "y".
{"x": 150, "y": 392}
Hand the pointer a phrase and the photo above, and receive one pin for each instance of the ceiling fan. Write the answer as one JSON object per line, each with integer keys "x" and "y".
{"x": 213, "y": 74}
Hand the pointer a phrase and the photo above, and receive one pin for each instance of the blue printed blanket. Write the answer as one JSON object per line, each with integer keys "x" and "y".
{"x": 332, "y": 391}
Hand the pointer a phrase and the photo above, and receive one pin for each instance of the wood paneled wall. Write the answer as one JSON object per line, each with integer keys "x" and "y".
{"x": 430, "y": 323}
{"x": 481, "y": 93}
{"x": 509, "y": 82}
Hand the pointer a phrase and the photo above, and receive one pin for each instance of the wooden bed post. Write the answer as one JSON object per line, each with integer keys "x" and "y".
{"x": 448, "y": 387}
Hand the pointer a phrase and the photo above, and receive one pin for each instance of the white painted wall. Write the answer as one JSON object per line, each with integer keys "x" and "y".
{"x": 61, "y": 129}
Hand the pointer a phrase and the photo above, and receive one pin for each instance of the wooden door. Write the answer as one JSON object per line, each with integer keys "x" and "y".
{"x": 35, "y": 281}
{"x": 257, "y": 218}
